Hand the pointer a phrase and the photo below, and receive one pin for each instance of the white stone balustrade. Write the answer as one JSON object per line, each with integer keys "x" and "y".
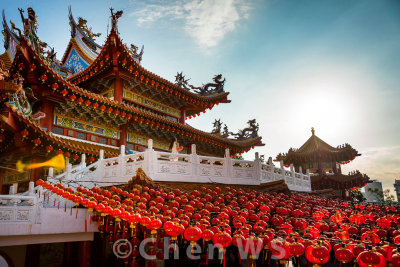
{"x": 165, "y": 166}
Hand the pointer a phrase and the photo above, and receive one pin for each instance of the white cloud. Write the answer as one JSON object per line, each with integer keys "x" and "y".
{"x": 207, "y": 21}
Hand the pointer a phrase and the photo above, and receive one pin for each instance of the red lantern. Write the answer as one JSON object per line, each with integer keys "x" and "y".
{"x": 37, "y": 142}
{"x": 297, "y": 249}
{"x": 192, "y": 234}
{"x": 24, "y": 133}
{"x": 43, "y": 78}
{"x": 320, "y": 256}
{"x": 49, "y": 148}
{"x": 368, "y": 259}
{"x": 344, "y": 255}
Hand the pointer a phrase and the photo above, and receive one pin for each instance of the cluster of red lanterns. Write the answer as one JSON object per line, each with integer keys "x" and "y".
{"x": 269, "y": 227}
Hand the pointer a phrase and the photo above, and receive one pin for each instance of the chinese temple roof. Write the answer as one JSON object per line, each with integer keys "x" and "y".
{"x": 82, "y": 49}
{"x": 315, "y": 147}
{"x": 69, "y": 94}
{"x": 98, "y": 77}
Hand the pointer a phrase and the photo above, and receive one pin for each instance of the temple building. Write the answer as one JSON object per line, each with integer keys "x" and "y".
{"x": 324, "y": 164}
{"x": 97, "y": 98}
{"x": 111, "y": 174}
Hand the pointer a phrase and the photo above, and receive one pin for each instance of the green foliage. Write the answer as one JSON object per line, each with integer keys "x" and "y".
{"x": 357, "y": 195}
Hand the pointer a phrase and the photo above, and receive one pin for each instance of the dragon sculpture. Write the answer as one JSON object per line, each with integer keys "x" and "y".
{"x": 134, "y": 52}
{"x": 210, "y": 88}
{"x": 207, "y": 89}
{"x": 218, "y": 127}
{"x": 114, "y": 18}
{"x": 181, "y": 81}
{"x": 82, "y": 24}
{"x": 249, "y": 132}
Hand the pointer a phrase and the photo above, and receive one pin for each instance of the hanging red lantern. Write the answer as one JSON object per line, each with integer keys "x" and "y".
{"x": 49, "y": 148}
{"x": 43, "y": 78}
{"x": 24, "y": 133}
{"x": 319, "y": 257}
{"x": 37, "y": 142}
{"x": 368, "y": 259}
{"x": 344, "y": 255}
{"x": 54, "y": 86}
{"x": 72, "y": 98}
{"x": 192, "y": 234}
{"x": 296, "y": 249}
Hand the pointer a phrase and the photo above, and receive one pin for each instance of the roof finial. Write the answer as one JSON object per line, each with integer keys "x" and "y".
{"x": 114, "y": 18}
{"x": 312, "y": 130}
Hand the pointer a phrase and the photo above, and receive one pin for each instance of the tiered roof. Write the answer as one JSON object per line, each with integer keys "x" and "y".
{"x": 315, "y": 148}
{"x": 98, "y": 77}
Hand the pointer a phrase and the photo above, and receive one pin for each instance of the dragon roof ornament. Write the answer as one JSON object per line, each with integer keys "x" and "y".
{"x": 215, "y": 87}
{"x": 114, "y": 19}
{"x": 249, "y": 132}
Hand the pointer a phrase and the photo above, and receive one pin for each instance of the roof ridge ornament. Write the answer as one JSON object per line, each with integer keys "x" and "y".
{"x": 114, "y": 19}
{"x": 215, "y": 87}
{"x": 312, "y": 130}
{"x": 133, "y": 50}
{"x": 82, "y": 24}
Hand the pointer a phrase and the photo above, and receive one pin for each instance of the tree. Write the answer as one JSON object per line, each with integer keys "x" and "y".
{"x": 382, "y": 196}
{"x": 388, "y": 197}
{"x": 357, "y": 195}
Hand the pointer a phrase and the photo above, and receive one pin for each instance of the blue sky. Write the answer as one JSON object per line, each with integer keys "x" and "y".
{"x": 292, "y": 65}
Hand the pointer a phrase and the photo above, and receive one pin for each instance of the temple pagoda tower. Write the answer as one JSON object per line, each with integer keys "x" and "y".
{"x": 324, "y": 163}
{"x": 97, "y": 98}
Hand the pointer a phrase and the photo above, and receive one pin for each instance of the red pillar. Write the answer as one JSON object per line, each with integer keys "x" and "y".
{"x": 183, "y": 116}
{"x": 48, "y": 109}
{"x": 118, "y": 87}
{"x": 84, "y": 253}
{"x": 122, "y": 136}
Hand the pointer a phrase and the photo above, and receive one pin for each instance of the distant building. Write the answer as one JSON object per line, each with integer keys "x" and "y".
{"x": 397, "y": 188}
{"x": 373, "y": 197}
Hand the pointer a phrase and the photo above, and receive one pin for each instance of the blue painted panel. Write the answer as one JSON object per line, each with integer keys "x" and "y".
{"x": 76, "y": 62}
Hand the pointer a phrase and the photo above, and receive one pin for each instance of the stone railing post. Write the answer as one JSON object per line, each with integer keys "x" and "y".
{"x": 293, "y": 174}
{"x": 194, "y": 160}
{"x": 301, "y": 178}
{"x": 83, "y": 161}
{"x": 11, "y": 190}
{"x": 257, "y": 167}
{"x": 100, "y": 171}
{"x": 51, "y": 172}
{"x": 121, "y": 161}
{"x": 228, "y": 165}
{"x": 68, "y": 171}
{"x": 31, "y": 189}
{"x": 149, "y": 159}
{"x": 271, "y": 169}
{"x": 283, "y": 175}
